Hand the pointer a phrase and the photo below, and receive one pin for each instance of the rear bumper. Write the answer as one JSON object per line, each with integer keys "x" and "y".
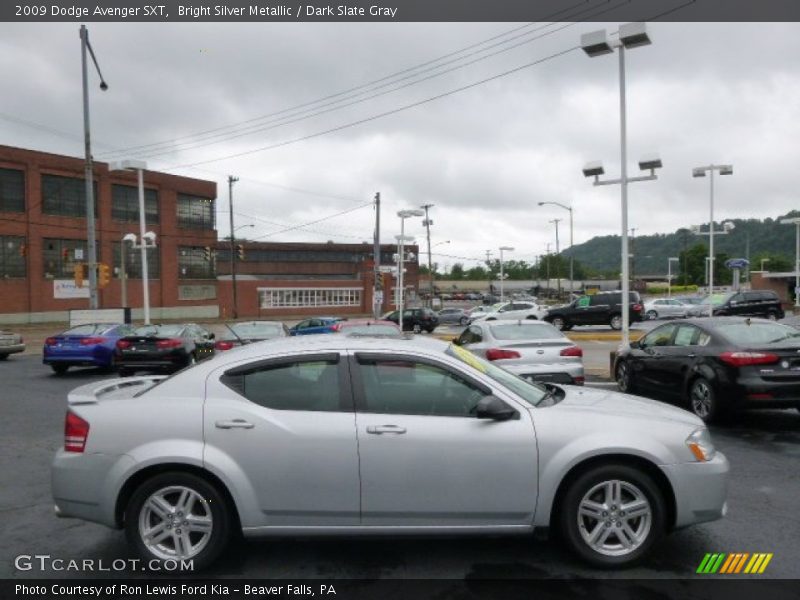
{"x": 754, "y": 393}
{"x": 77, "y": 360}
{"x": 701, "y": 490}
{"x": 12, "y": 349}
{"x": 151, "y": 360}
{"x": 567, "y": 373}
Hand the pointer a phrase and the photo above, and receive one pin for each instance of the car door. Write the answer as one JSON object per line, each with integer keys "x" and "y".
{"x": 678, "y": 358}
{"x": 647, "y": 364}
{"x": 426, "y": 460}
{"x": 285, "y": 429}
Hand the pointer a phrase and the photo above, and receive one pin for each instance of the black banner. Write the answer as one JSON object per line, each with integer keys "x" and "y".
{"x": 399, "y": 10}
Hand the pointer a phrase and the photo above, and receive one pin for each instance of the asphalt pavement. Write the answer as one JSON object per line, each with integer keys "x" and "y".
{"x": 763, "y": 448}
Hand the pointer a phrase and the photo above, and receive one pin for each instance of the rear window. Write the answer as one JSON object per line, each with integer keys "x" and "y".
{"x": 88, "y": 329}
{"x": 526, "y": 331}
{"x": 160, "y": 330}
{"x": 756, "y": 333}
{"x": 247, "y": 330}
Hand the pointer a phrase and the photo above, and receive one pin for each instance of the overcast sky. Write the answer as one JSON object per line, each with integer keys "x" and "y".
{"x": 485, "y": 156}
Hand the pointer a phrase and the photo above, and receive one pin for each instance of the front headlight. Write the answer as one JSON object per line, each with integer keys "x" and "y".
{"x": 701, "y": 445}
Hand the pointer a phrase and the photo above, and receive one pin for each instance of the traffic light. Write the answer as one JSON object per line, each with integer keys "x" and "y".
{"x": 240, "y": 251}
{"x": 103, "y": 275}
{"x": 79, "y": 270}
{"x": 207, "y": 253}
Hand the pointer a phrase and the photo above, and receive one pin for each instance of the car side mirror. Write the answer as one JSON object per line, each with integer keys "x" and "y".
{"x": 636, "y": 345}
{"x": 457, "y": 341}
{"x": 491, "y": 407}
{"x": 211, "y": 336}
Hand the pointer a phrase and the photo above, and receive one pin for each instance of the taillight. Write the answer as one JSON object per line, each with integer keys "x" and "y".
{"x": 572, "y": 351}
{"x": 51, "y": 341}
{"x": 336, "y": 327}
{"x": 170, "y": 343}
{"x": 223, "y": 345}
{"x": 742, "y": 359}
{"x": 500, "y": 354}
{"x": 76, "y": 432}
{"x": 91, "y": 341}
{"x": 122, "y": 344}
{"x": 578, "y": 380}
{"x": 637, "y": 308}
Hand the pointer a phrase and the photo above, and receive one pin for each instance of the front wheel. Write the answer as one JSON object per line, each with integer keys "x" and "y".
{"x": 624, "y": 377}
{"x": 417, "y": 328}
{"x": 703, "y": 400}
{"x": 178, "y": 516}
{"x": 59, "y": 369}
{"x": 612, "y": 515}
{"x": 464, "y": 321}
{"x": 615, "y": 322}
{"x": 559, "y": 323}
{"x": 772, "y": 315}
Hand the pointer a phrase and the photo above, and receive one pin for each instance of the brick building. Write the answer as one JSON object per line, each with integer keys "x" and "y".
{"x": 43, "y": 235}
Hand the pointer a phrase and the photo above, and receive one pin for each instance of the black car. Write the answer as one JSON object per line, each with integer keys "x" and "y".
{"x": 162, "y": 347}
{"x": 602, "y": 308}
{"x": 241, "y": 333}
{"x": 715, "y": 365}
{"x": 751, "y": 303}
{"x": 415, "y": 319}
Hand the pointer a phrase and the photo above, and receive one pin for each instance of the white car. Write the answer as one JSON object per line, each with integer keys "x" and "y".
{"x": 514, "y": 310}
{"x": 661, "y": 308}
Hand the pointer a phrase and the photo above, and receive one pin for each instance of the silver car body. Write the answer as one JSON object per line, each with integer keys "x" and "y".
{"x": 350, "y": 472}
{"x": 538, "y": 343}
{"x": 665, "y": 308}
{"x": 515, "y": 309}
{"x": 10, "y": 343}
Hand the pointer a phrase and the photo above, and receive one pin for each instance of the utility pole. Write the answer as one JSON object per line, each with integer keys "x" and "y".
{"x": 427, "y": 222}
{"x": 558, "y": 257}
{"x": 231, "y": 181}
{"x": 548, "y": 267}
{"x": 633, "y": 254}
{"x": 377, "y": 299}
{"x": 489, "y": 270}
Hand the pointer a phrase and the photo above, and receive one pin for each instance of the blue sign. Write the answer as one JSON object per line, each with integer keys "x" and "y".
{"x": 737, "y": 263}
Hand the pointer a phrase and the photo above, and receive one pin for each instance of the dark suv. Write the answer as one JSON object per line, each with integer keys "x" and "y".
{"x": 602, "y": 308}
{"x": 416, "y": 319}
{"x": 753, "y": 303}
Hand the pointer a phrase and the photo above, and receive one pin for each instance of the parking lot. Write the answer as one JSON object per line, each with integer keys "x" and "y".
{"x": 763, "y": 449}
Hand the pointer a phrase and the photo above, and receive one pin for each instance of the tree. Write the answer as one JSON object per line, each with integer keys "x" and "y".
{"x": 456, "y": 272}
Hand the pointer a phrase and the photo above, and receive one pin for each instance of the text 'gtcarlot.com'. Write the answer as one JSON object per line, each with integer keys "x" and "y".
{"x": 45, "y": 562}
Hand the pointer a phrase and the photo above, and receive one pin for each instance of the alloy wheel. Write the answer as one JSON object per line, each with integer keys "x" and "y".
{"x": 616, "y": 322}
{"x": 623, "y": 377}
{"x": 701, "y": 399}
{"x": 175, "y": 522}
{"x": 614, "y": 517}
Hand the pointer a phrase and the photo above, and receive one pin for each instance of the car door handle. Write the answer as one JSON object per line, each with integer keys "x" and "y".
{"x": 691, "y": 355}
{"x": 234, "y": 424}
{"x": 379, "y": 429}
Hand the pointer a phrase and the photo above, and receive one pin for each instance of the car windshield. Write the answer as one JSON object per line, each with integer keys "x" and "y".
{"x": 160, "y": 330}
{"x": 752, "y": 333}
{"x": 256, "y": 330}
{"x": 717, "y": 299}
{"x": 533, "y": 393}
{"x": 525, "y": 331}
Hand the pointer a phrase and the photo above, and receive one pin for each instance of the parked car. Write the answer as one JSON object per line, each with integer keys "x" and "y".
{"x": 750, "y": 303}
{"x": 238, "y": 443}
{"x": 240, "y": 333}
{"x": 415, "y": 319}
{"x": 602, "y": 308}
{"x": 715, "y": 365}
{"x": 316, "y": 325}
{"x": 88, "y": 345}
{"x": 370, "y": 328}
{"x": 514, "y": 310}
{"x": 459, "y": 316}
{"x": 533, "y": 350}
{"x": 10, "y": 343}
{"x": 662, "y": 308}
{"x": 162, "y": 347}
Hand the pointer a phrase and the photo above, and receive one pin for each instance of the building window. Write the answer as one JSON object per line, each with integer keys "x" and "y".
{"x": 133, "y": 262}
{"x": 65, "y": 196}
{"x": 12, "y": 256}
{"x": 61, "y": 256}
{"x": 12, "y": 190}
{"x": 309, "y": 297}
{"x": 192, "y": 263}
{"x": 125, "y": 204}
{"x": 195, "y": 212}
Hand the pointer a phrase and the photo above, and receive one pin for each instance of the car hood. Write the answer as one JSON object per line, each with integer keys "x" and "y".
{"x": 602, "y": 402}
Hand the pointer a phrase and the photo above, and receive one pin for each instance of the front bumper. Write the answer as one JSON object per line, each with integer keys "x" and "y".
{"x": 701, "y": 490}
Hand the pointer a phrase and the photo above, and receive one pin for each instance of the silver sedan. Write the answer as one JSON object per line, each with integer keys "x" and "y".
{"x": 661, "y": 308}
{"x": 534, "y": 350}
{"x": 333, "y": 435}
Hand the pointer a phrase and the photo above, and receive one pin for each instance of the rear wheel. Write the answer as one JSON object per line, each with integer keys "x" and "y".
{"x": 123, "y": 372}
{"x": 612, "y": 515}
{"x": 559, "y": 323}
{"x": 531, "y": 318}
{"x": 703, "y": 400}
{"x": 3, "y": 356}
{"x": 416, "y": 328}
{"x": 59, "y": 369}
{"x": 651, "y": 314}
{"x": 772, "y": 315}
{"x": 464, "y": 321}
{"x": 178, "y": 516}
{"x": 615, "y": 322}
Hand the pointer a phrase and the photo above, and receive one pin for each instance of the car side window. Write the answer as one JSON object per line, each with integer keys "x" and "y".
{"x": 404, "y": 386}
{"x": 302, "y": 324}
{"x": 583, "y": 302}
{"x": 308, "y": 385}
{"x": 686, "y": 335}
{"x": 661, "y": 336}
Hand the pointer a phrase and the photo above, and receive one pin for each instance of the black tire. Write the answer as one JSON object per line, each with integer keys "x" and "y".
{"x": 531, "y": 318}
{"x": 464, "y": 321}
{"x": 615, "y": 322}
{"x": 559, "y": 323}
{"x": 772, "y": 315}
{"x": 122, "y": 372}
{"x": 651, "y": 315}
{"x": 417, "y": 328}
{"x": 647, "y": 529}
{"x": 59, "y": 369}
{"x": 3, "y": 356}
{"x": 623, "y": 375}
{"x": 211, "y": 505}
{"x": 702, "y": 400}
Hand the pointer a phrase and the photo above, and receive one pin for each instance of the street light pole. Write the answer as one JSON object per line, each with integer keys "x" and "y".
{"x": 403, "y": 214}
{"x": 558, "y": 261}
{"x": 571, "y": 243}
{"x": 231, "y": 181}
{"x": 796, "y": 222}
{"x": 427, "y": 222}
{"x": 670, "y": 260}
{"x": 502, "y": 273}
{"x": 89, "y": 167}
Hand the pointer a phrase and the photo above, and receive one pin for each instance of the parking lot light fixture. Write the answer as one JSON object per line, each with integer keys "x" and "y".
{"x": 631, "y": 35}
{"x": 701, "y": 172}
{"x": 401, "y": 239}
{"x": 796, "y": 222}
{"x": 502, "y": 273}
{"x": 140, "y": 166}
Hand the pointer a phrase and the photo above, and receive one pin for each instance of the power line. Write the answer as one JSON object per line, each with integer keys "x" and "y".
{"x": 344, "y": 212}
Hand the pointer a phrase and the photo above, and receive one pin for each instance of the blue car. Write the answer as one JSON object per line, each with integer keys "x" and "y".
{"x": 316, "y": 325}
{"x": 89, "y": 345}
